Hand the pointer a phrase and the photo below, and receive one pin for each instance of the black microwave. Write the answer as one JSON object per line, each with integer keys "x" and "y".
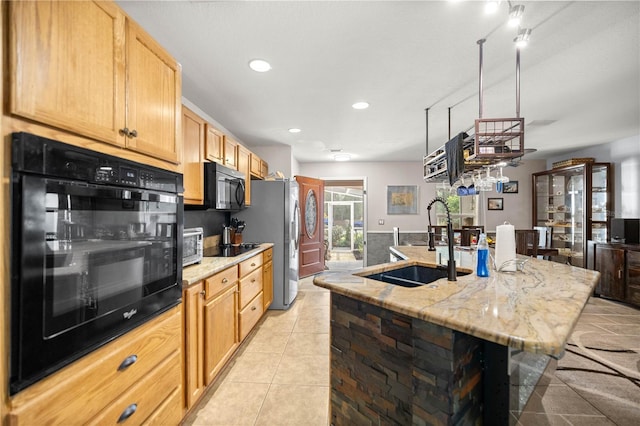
{"x": 224, "y": 188}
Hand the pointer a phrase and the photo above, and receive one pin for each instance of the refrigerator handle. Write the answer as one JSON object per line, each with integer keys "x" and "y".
{"x": 295, "y": 223}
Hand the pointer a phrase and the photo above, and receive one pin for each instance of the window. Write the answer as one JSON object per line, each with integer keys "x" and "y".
{"x": 463, "y": 209}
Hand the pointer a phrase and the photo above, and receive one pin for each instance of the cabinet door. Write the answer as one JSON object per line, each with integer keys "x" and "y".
{"x": 194, "y": 343}
{"x": 267, "y": 284}
{"x": 610, "y": 263}
{"x": 221, "y": 331}
{"x": 230, "y": 153}
{"x": 244, "y": 165}
{"x": 154, "y": 91}
{"x": 633, "y": 277}
{"x": 214, "y": 145}
{"x": 256, "y": 166}
{"x": 193, "y": 128}
{"x": 67, "y": 66}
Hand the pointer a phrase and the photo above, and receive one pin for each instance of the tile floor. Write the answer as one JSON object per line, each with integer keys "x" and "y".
{"x": 280, "y": 375}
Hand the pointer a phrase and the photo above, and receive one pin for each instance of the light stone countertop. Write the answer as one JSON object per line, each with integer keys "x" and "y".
{"x": 211, "y": 265}
{"x": 535, "y": 310}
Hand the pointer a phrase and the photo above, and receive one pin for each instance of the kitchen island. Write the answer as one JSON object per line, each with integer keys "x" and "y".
{"x": 451, "y": 352}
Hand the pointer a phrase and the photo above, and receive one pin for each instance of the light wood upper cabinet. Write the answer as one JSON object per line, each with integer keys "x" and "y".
{"x": 214, "y": 145}
{"x": 86, "y": 68}
{"x": 256, "y": 166}
{"x": 154, "y": 89}
{"x": 193, "y": 135}
{"x": 230, "y": 153}
{"x": 67, "y": 66}
{"x": 244, "y": 164}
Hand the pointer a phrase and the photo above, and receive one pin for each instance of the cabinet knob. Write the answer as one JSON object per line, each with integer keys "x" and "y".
{"x": 253, "y": 308}
{"x": 129, "y": 133}
{"x": 253, "y": 264}
{"x": 128, "y": 361}
{"x": 224, "y": 281}
{"x": 128, "y": 412}
{"x": 203, "y": 293}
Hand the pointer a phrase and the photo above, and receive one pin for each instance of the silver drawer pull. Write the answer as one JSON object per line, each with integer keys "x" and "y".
{"x": 224, "y": 281}
{"x": 128, "y": 412}
{"x": 128, "y": 361}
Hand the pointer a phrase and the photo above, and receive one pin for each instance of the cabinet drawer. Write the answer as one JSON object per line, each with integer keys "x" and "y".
{"x": 79, "y": 392}
{"x": 250, "y": 286}
{"x": 250, "y": 264}
{"x": 142, "y": 399}
{"x": 219, "y": 282}
{"x": 267, "y": 255}
{"x": 250, "y": 315}
{"x": 169, "y": 412}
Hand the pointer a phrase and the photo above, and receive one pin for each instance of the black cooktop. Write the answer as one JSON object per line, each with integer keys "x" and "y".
{"x": 230, "y": 250}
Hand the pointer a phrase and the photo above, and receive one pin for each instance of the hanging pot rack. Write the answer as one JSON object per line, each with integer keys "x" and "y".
{"x": 495, "y": 140}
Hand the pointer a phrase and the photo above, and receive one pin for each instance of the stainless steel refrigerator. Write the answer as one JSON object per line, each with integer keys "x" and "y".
{"x": 274, "y": 217}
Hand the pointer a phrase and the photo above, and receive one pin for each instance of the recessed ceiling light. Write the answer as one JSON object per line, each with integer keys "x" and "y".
{"x": 259, "y": 65}
{"x": 342, "y": 157}
{"x": 360, "y": 105}
{"x": 294, "y": 130}
{"x": 491, "y": 6}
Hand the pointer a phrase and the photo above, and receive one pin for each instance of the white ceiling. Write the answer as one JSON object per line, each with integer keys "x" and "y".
{"x": 581, "y": 71}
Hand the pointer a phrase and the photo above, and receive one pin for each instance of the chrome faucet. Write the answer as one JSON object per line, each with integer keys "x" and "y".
{"x": 451, "y": 265}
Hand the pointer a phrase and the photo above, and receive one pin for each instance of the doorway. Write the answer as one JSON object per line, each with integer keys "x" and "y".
{"x": 344, "y": 223}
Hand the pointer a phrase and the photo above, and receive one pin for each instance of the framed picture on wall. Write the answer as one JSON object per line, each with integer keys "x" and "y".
{"x": 510, "y": 187}
{"x": 402, "y": 199}
{"x": 494, "y": 203}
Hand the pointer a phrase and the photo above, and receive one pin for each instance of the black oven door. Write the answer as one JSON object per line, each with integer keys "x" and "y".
{"x": 89, "y": 262}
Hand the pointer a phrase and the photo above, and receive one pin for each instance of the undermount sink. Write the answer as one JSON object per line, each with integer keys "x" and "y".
{"x": 412, "y": 276}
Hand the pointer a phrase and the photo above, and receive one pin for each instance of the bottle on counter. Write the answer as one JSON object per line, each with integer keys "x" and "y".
{"x": 482, "y": 269}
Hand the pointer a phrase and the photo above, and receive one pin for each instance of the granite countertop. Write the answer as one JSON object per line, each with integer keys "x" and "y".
{"x": 211, "y": 265}
{"x": 535, "y": 310}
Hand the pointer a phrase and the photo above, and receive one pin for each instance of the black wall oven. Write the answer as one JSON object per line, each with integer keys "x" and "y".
{"x": 96, "y": 250}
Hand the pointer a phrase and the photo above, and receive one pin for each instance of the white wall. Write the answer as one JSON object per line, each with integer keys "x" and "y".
{"x": 379, "y": 176}
{"x": 624, "y": 154}
{"x": 517, "y": 207}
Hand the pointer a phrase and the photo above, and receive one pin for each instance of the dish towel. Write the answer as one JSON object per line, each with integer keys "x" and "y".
{"x": 455, "y": 157}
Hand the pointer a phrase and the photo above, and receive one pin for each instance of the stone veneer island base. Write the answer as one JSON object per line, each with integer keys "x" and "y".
{"x": 418, "y": 356}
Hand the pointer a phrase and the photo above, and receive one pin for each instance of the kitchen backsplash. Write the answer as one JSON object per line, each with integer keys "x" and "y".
{"x": 210, "y": 220}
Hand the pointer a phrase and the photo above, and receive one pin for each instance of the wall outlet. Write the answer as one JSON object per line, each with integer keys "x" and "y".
{"x": 380, "y": 221}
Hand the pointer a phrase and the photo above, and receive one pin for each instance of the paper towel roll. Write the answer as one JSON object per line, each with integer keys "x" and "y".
{"x": 505, "y": 247}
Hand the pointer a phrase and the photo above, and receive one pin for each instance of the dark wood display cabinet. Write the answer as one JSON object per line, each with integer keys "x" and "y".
{"x": 575, "y": 204}
{"x": 619, "y": 267}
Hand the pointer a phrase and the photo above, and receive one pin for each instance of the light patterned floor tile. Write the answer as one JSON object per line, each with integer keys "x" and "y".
{"x": 295, "y": 405}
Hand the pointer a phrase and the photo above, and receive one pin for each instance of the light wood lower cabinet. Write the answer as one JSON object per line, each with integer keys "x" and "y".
{"x": 220, "y": 331}
{"x": 96, "y": 390}
{"x": 219, "y": 313}
{"x": 267, "y": 278}
{"x": 193, "y": 300}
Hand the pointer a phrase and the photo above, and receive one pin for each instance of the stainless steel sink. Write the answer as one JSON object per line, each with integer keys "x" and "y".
{"x": 412, "y": 276}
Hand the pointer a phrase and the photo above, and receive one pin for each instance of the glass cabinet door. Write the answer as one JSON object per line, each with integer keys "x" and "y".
{"x": 575, "y": 204}
{"x": 559, "y": 199}
{"x": 600, "y": 203}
